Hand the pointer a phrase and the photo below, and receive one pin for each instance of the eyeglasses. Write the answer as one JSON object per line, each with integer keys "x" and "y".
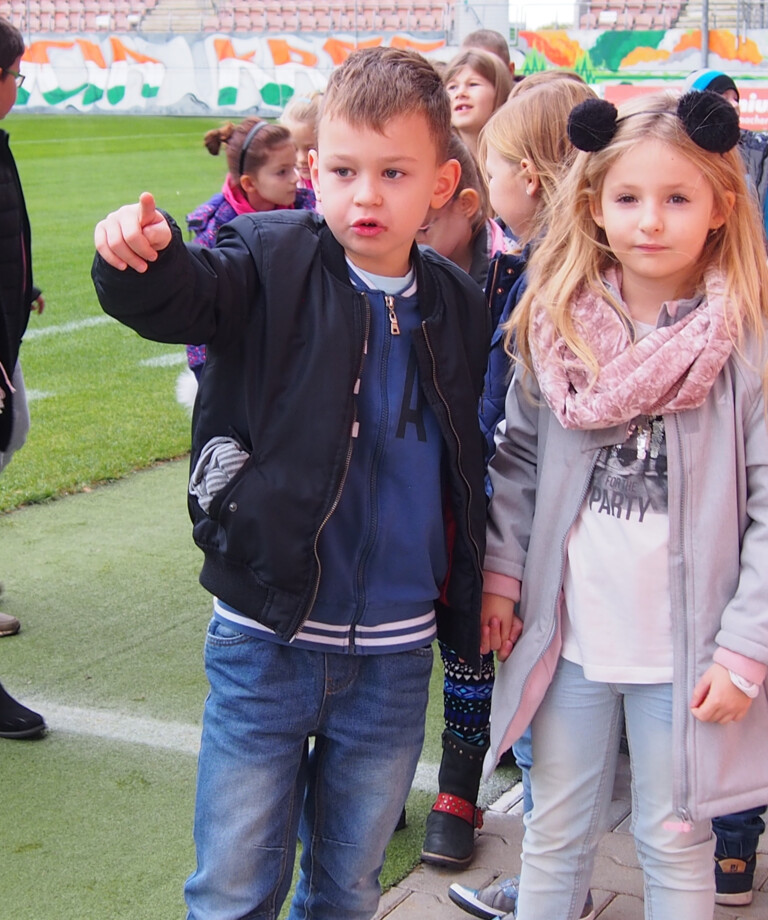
{"x": 18, "y": 77}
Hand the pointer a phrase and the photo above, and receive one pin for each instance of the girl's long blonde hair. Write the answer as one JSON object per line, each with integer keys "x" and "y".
{"x": 575, "y": 251}
{"x": 532, "y": 126}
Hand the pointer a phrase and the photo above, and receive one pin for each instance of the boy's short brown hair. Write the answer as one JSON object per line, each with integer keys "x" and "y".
{"x": 374, "y": 85}
{"x": 11, "y": 44}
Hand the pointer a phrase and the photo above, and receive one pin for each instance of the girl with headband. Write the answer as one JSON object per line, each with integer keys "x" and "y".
{"x": 629, "y": 516}
{"x": 261, "y": 176}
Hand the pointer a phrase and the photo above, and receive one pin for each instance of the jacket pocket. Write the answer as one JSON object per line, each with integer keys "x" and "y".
{"x": 219, "y": 463}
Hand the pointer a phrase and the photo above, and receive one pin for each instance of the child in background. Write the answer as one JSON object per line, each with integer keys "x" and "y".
{"x": 300, "y": 118}
{"x": 462, "y": 230}
{"x": 477, "y": 83}
{"x": 336, "y": 431}
{"x": 493, "y": 42}
{"x": 525, "y": 152}
{"x": 261, "y": 176}
{"x": 635, "y": 441}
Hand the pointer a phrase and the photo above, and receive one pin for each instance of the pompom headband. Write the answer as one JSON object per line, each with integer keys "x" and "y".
{"x": 709, "y": 120}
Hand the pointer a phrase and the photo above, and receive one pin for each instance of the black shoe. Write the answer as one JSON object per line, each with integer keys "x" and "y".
{"x": 450, "y": 835}
{"x": 733, "y": 880}
{"x": 16, "y": 721}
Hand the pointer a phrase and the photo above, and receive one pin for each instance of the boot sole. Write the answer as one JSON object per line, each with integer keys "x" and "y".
{"x": 26, "y": 733}
{"x": 439, "y": 859}
{"x": 736, "y": 899}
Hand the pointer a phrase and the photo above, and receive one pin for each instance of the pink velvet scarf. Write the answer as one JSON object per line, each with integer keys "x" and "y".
{"x": 670, "y": 369}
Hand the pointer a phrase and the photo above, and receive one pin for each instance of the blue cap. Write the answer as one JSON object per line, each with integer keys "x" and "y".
{"x": 714, "y": 80}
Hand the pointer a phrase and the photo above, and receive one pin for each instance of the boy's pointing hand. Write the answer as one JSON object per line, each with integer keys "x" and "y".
{"x": 133, "y": 235}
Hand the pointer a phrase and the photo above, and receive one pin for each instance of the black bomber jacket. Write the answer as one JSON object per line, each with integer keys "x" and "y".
{"x": 285, "y": 330}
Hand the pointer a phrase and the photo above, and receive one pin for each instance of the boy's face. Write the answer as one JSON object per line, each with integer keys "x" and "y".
{"x": 376, "y": 188}
{"x": 8, "y": 89}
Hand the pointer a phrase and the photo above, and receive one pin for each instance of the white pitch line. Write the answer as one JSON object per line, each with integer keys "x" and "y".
{"x": 116, "y": 726}
{"x": 169, "y": 360}
{"x": 179, "y": 737}
{"x": 63, "y": 328}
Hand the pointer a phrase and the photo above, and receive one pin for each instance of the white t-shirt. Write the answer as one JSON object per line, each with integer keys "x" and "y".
{"x": 617, "y": 622}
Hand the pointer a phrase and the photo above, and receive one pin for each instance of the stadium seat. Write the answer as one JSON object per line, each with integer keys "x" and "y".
{"x": 644, "y": 21}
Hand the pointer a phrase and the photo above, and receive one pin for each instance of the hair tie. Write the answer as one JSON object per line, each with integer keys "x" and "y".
{"x": 247, "y": 142}
{"x": 710, "y": 121}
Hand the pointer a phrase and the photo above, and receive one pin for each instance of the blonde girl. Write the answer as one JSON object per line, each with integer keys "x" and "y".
{"x": 524, "y": 151}
{"x": 300, "y": 118}
{"x": 629, "y": 515}
{"x": 477, "y": 83}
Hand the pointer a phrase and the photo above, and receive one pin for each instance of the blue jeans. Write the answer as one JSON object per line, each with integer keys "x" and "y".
{"x": 739, "y": 834}
{"x": 259, "y": 785}
{"x": 576, "y": 734}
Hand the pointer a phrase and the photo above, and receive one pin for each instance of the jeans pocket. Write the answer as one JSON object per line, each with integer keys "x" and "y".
{"x": 224, "y": 634}
{"x": 425, "y": 651}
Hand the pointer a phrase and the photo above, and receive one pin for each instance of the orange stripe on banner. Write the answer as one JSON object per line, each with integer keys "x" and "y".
{"x": 339, "y": 50}
{"x": 225, "y": 51}
{"x": 91, "y": 52}
{"x": 37, "y": 52}
{"x": 399, "y": 42}
{"x": 121, "y": 53}
{"x": 283, "y": 53}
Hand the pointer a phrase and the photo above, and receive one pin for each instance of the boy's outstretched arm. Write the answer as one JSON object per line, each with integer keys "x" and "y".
{"x": 132, "y": 236}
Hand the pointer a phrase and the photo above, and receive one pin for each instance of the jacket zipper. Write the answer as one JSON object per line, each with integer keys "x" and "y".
{"x": 491, "y": 287}
{"x": 381, "y": 370}
{"x": 394, "y": 326}
{"x": 458, "y": 444}
{"x": 682, "y": 810}
{"x": 345, "y": 470}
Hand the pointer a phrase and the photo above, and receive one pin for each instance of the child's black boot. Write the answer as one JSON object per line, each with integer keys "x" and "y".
{"x": 450, "y": 834}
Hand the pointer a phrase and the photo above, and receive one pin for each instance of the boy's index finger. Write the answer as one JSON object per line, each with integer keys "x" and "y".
{"x": 147, "y": 209}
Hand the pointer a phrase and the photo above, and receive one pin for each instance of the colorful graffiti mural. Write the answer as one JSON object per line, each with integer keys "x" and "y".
{"x": 217, "y": 74}
{"x": 227, "y": 74}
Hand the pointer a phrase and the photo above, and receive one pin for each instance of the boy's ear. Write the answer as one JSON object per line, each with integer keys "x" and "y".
{"x": 469, "y": 202}
{"x": 448, "y": 175}
{"x": 313, "y": 172}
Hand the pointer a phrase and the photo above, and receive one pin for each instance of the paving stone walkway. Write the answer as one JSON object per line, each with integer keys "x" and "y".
{"x": 617, "y": 884}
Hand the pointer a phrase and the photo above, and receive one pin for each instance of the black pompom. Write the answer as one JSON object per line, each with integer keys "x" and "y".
{"x": 592, "y": 124}
{"x": 710, "y": 121}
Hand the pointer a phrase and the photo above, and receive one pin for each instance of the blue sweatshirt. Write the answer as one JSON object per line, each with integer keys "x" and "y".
{"x": 383, "y": 552}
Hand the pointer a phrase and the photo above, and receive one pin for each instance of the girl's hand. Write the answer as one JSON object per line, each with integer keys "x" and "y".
{"x": 717, "y": 699}
{"x": 133, "y": 235}
{"x": 499, "y": 627}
